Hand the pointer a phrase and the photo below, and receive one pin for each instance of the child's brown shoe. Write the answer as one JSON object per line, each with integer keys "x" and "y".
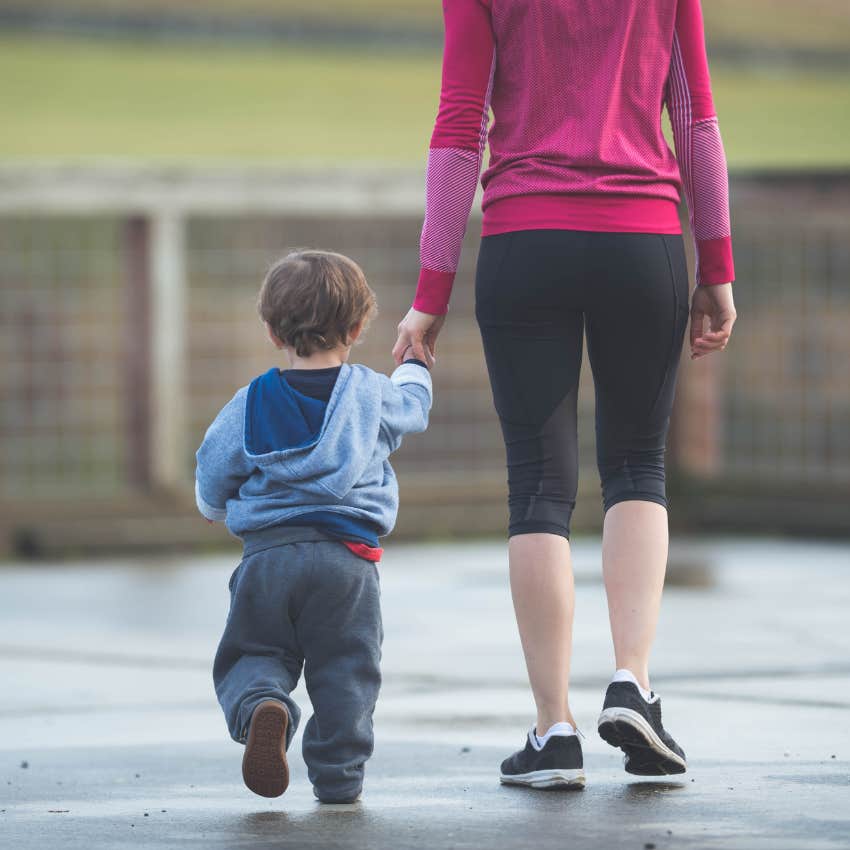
{"x": 264, "y": 766}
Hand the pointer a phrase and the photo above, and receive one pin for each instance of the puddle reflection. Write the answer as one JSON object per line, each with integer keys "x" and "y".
{"x": 644, "y": 790}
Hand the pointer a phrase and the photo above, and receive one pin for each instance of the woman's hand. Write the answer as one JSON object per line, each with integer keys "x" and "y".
{"x": 716, "y": 304}
{"x": 418, "y": 332}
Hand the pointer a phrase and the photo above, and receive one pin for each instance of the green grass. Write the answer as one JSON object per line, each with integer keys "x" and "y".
{"x": 71, "y": 99}
{"x": 799, "y": 120}
{"x": 814, "y": 23}
{"x": 75, "y": 100}
{"x": 779, "y": 23}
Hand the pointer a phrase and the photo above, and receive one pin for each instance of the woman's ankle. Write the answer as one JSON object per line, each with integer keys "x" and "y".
{"x": 638, "y": 670}
{"x": 546, "y": 720}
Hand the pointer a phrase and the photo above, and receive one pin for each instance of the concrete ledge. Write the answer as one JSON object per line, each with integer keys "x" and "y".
{"x": 126, "y": 187}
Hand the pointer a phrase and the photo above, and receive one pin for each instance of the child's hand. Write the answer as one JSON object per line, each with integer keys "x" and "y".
{"x": 210, "y": 521}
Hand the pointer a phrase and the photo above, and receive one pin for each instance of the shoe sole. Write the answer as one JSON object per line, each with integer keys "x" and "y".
{"x": 646, "y": 753}
{"x": 264, "y": 766}
{"x": 546, "y": 779}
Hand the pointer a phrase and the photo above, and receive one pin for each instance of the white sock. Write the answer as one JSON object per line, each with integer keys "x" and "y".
{"x": 563, "y": 729}
{"x": 624, "y": 675}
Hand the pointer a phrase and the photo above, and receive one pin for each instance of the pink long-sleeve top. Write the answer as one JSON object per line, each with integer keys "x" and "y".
{"x": 577, "y": 89}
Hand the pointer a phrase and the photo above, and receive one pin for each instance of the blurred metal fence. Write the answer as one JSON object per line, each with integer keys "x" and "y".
{"x": 786, "y": 390}
{"x": 127, "y": 319}
{"x": 763, "y": 433}
{"x": 63, "y": 325}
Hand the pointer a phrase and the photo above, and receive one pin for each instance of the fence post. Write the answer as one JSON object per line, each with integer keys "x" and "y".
{"x": 168, "y": 349}
{"x": 137, "y": 347}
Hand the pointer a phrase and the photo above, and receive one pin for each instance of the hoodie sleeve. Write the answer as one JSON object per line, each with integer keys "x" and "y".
{"x": 222, "y": 466}
{"x": 406, "y": 403}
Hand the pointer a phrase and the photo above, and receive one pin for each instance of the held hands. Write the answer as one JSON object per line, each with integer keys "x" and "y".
{"x": 417, "y": 337}
{"x": 716, "y": 304}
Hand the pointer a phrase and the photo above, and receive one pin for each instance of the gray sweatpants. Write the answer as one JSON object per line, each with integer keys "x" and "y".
{"x": 299, "y": 598}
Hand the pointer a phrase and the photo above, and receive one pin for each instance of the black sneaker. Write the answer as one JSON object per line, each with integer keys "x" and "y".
{"x": 558, "y": 765}
{"x": 631, "y": 723}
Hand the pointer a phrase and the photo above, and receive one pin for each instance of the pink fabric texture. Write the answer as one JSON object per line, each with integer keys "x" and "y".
{"x": 699, "y": 147}
{"x": 450, "y": 185}
{"x": 612, "y": 213}
{"x": 577, "y": 89}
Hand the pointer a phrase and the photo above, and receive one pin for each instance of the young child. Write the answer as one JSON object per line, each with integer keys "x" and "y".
{"x": 297, "y": 465}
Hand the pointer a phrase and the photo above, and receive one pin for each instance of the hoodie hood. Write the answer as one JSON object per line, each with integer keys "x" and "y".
{"x": 301, "y": 440}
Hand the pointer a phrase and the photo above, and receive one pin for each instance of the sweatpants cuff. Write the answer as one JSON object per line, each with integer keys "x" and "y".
{"x": 338, "y": 795}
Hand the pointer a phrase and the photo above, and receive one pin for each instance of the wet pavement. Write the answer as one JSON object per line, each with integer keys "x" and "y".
{"x": 110, "y": 735}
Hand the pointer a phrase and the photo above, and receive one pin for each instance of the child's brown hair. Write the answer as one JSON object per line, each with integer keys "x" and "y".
{"x": 312, "y": 300}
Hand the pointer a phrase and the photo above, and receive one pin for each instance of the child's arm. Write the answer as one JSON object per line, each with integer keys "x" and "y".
{"x": 406, "y": 403}
{"x": 222, "y": 466}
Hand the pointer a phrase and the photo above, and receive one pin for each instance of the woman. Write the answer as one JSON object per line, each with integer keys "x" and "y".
{"x": 580, "y": 234}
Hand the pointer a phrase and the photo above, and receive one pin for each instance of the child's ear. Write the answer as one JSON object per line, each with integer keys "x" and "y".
{"x": 354, "y": 333}
{"x": 273, "y": 336}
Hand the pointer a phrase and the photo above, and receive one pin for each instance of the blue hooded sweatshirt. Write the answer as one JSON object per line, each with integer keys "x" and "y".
{"x": 273, "y": 454}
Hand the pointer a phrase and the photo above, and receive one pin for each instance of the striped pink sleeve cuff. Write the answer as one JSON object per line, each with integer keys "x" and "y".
{"x": 433, "y": 292}
{"x": 715, "y": 264}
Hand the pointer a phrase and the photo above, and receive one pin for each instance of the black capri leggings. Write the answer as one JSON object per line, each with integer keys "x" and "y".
{"x": 536, "y": 291}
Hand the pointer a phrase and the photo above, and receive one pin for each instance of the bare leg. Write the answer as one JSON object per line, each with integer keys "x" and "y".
{"x": 544, "y": 599}
{"x": 634, "y": 560}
